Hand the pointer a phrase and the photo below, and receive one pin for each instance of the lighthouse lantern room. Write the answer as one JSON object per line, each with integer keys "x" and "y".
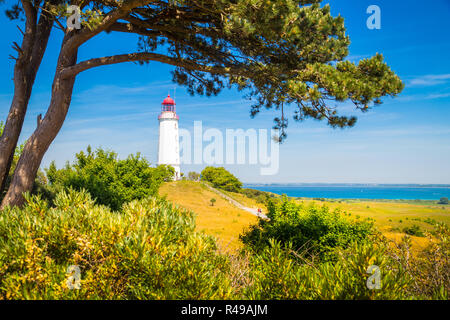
{"x": 169, "y": 146}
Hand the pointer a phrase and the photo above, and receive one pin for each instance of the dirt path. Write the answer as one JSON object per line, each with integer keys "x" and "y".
{"x": 235, "y": 203}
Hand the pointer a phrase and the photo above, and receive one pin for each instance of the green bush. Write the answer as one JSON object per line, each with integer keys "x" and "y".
{"x": 414, "y": 230}
{"x": 148, "y": 250}
{"x": 279, "y": 274}
{"x": 109, "y": 180}
{"x": 443, "y": 200}
{"x": 314, "y": 229}
{"x": 260, "y": 196}
{"x": 221, "y": 178}
{"x": 430, "y": 221}
{"x": 193, "y": 176}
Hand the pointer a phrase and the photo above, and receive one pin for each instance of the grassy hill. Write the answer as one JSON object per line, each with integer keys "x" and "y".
{"x": 223, "y": 220}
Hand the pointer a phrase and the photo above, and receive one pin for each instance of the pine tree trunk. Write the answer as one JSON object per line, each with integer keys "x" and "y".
{"x": 42, "y": 137}
{"x": 25, "y": 70}
{"x": 14, "y": 122}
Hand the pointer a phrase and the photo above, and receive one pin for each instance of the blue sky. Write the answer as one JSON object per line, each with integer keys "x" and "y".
{"x": 405, "y": 140}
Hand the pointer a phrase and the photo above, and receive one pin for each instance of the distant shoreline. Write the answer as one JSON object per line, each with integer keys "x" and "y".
{"x": 366, "y": 192}
{"x": 365, "y": 185}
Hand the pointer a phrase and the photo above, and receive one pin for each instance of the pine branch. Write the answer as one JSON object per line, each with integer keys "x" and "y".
{"x": 21, "y": 31}
{"x": 16, "y": 47}
{"x": 148, "y": 56}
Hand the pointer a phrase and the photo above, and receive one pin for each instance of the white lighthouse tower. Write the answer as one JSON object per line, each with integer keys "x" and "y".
{"x": 169, "y": 145}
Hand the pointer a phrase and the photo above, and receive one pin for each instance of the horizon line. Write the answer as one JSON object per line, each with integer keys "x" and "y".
{"x": 348, "y": 183}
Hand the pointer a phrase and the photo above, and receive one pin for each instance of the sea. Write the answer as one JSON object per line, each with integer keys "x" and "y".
{"x": 357, "y": 191}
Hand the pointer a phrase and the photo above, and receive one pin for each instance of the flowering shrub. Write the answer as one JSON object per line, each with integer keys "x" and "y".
{"x": 147, "y": 250}
{"x": 279, "y": 274}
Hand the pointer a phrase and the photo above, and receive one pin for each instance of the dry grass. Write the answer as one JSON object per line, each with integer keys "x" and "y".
{"x": 223, "y": 220}
{"x": 418, "y": 244}
{"x": 248, "y": 202}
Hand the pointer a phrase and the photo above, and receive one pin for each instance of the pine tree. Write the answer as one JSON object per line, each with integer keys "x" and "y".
{"x": 283, "y": 54}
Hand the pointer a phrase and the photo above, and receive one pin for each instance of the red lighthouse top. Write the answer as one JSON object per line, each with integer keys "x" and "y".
{"x": 168, "y": 105}
{"x": 168, "y": 101}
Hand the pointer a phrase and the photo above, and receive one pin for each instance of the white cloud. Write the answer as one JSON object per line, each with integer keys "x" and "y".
{"x": 415, "y": 97}
{"x": 429, "y": 80}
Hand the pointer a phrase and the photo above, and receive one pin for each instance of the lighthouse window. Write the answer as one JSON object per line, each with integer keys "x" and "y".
{"x": 168, "y": 108}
